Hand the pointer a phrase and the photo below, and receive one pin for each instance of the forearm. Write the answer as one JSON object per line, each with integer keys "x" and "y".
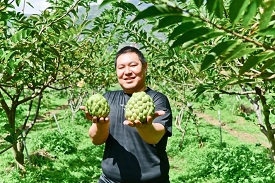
{"x": 151, "y": 133}
{"x": 99, "y": 132}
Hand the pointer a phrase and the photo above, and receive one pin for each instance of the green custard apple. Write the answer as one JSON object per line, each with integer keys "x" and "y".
{"x": 139, "y": 106}
{"x": 98, "y": 106}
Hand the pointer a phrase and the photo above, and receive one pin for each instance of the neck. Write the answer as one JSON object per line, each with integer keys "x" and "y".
{"x": 131, "y": 91}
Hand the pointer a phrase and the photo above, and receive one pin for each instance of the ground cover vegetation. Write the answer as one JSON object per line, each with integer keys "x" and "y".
{"x": 60, "y": 150}
{"x": 202, "y": 54}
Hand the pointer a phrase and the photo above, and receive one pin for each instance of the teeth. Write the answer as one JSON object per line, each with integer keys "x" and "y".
{"x": 98, "y": 106}
{"x": 139, "y": 106}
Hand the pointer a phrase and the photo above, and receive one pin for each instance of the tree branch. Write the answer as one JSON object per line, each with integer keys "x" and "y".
{"x": 28, "y": 115}
{"x": 35, "y": 116}
{"x": 7, "y": 148}
{"x": 248, "y": 39}
{"x": 4, "y": 104}
{"x": 6, "y": 92}
{"x": 56, "y": 20}
{"x": 236, "y": 93}
{"x": 257, "y": 108}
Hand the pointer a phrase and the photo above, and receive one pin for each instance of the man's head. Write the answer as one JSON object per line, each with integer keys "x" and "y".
{"x": 129, "y": 49}
{"x": 131, "y": 68}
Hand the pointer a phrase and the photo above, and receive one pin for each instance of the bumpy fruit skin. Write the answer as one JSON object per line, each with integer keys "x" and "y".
{"x": 98, "y": 106}
{"x": 139, "y": 106}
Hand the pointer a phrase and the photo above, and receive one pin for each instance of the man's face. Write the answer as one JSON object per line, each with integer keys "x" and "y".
{"x": 131, "y": 73}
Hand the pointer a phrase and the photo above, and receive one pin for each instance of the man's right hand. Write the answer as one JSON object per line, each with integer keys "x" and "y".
{"x": 94, "y": 119}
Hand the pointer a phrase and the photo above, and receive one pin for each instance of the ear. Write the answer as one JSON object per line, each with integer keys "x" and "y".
{"x": 145, "y": 66}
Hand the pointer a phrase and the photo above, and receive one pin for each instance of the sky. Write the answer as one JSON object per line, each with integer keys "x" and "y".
{"x": 38, "y": 6}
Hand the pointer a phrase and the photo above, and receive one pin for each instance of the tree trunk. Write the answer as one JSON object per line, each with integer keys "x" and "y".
{"x": 17, "y": 144}
{"x": 271, "y": 139}
{"x": 18, "y": 151}
{"x": 265, "y": 125}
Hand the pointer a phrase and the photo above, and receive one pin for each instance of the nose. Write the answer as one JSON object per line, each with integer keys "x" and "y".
{"x": 127, "y": 70}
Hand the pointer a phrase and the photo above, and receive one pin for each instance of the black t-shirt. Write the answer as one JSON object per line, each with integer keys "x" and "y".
{"x": 127, "y": 158}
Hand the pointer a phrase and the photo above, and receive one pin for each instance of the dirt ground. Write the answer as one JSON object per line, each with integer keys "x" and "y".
{"x": 246, "y": 137}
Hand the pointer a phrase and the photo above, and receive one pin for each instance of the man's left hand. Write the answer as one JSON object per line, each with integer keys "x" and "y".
{"x": 139, "y": 124}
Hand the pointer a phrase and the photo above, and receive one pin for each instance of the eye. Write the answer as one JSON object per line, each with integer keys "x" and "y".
{"x": 133, "y": 65}
{"x": 120, "y": 67}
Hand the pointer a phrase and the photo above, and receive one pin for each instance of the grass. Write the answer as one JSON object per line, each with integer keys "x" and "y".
{"x": 73, "y": 158}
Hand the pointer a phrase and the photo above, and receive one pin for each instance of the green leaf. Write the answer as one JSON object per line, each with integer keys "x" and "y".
{"x": 29, "y": 4}
{"x": 54, "y": 51}
{"x": 219, "y": 9}
{"x": 198, "y": 3}
{"x": 10, "y": 53}
{"x": 203, "y": 88}
{"x": 184, "y": 27}
{"x": 127, "y": 6}
{"x": 86, "y": 23}
{"x": 230, "y": 81}
{"x": 8, "y": 128}
{"x": 237, "y": 9}
{"x": 74, "y": 13}
{"x": 267, "y": 76}
{"x": 254, "y": 60}
{"x": 236, "y": 51}
{"x": 167, "y": 21}
{"x": 190, "y": 35}
{"x": 266, "y": 16}
{"x": 17, "y": 2}
{"x": 157, "y": 10}
{"x": 1, "y": 54}
{"x": 270, "y": 31}
{"x": 215, "y": 7}
{"x": 211, "y": 5}
{"x": 267, "y": 54}
{"x": 251, "y": 12}
{"x": 268, "y": 64}
{"x": 200, "y": 39}
{"x": 105, "y": 2}
{"x": 216, "y": 52}
{"x": 56, "y": 29}
{"x": 21, "y": 34}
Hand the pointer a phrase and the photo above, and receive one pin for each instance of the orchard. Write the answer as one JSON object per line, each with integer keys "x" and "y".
{"x": 195, "y": 49}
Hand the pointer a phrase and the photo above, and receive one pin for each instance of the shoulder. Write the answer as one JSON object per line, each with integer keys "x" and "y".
{"x": 155, "y": 94}
{"x": 159, "y": 98}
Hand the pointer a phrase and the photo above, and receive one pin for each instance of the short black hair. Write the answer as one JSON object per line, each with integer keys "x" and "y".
{"x": 131, "y": 49}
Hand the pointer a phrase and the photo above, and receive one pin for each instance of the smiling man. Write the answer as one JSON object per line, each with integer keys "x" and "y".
{"x": 134, "y": 152}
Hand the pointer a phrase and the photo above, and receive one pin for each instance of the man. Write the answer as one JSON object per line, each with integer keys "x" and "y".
{"x": 134, "y": 152}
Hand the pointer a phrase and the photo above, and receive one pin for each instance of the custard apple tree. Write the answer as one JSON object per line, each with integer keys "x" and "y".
{"x": 219, "y": 47}
{"x": 45, "y": 52}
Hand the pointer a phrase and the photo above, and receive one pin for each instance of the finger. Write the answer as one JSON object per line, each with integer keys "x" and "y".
{"x": 159, "y": 113}
{"x": 107, "y": 119}
{"x": 137, "y": 122}
{"x": 150, "y": 119}
{"x": 103, "y": 120}
{"x": 82, "y": 108}
{"x": 129, "y": 123}
{"x": 88, "y": 116}
{"x": 94, "y": 119}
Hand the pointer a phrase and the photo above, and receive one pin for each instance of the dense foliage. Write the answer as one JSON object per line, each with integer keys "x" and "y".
{"x": 221, "y": 47}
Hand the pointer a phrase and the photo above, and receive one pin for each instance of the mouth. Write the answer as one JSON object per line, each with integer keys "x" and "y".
{"x": 129, "y": 80}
